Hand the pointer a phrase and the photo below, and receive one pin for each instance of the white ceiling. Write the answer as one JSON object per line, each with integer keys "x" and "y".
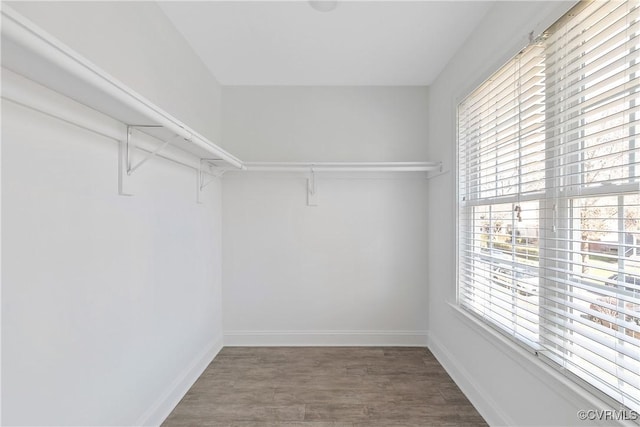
{"x": 358, "y": 43}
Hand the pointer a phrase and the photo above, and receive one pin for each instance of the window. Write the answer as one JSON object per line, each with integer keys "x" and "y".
{"x": 549, "y": 198}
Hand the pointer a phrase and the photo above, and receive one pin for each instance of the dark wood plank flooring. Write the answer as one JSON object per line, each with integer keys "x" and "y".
{"x": 324, "y": 386}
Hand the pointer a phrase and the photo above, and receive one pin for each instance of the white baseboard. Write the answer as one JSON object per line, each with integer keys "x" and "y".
{"x": 162, "y": 407}
{"x": 326, "y": 338}
{"x": 480, "y": 399}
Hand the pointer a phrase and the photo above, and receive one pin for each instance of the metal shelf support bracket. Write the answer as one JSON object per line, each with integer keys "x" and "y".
{"x": 207, "y": 173}
{"x": 312, "y": 189}
{"x": 126, "y": 165}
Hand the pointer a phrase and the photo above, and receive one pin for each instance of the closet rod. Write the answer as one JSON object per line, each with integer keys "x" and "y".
{"x": 342, "y": 166}
{"x": 28, "y": 47}
{"x": 26, "y": 34}
{"x": 105, "y": 135}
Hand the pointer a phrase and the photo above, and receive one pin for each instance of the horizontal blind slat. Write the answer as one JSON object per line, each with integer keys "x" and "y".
{"x": 549, "y": 214}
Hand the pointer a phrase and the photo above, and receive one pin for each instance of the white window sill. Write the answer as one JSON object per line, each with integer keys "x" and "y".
{"x": 578, "y": 396}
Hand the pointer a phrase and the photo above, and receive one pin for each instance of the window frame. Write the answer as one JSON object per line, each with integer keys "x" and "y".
{"x": 563, "y": 213}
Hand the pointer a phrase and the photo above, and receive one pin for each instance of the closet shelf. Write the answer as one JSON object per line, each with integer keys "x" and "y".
{"x": 342, "y": 166}
{"x": 29, "y": 51}
{"x": 35, "y": 54}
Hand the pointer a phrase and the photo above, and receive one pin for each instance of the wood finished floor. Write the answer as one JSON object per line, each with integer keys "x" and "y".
{"x": 324, "y": 386}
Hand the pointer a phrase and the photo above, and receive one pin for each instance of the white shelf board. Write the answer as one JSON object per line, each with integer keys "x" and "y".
{"x": 342, "y": 166}
{"x": 29, "y": 51}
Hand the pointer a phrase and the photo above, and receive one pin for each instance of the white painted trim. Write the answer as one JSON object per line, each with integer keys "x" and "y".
{"x": 525, "y": 357}
{"x": 487, "y": 407}
{"x": 162, "y": 407}
{"x": 326, "y": 338}
{"x": 480, "y": 398}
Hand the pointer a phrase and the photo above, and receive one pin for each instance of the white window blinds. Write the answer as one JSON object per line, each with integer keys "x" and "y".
{"x": 549, "y": 210}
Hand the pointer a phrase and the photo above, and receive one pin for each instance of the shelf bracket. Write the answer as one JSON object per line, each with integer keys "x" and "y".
{"x": 123, "y": 177}
{"x": 207, "y": 173}
{"x": 126, "y": 166}
{"x": 312, "y": 189}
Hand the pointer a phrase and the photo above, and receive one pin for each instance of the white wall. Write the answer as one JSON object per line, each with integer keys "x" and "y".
{"x": 111, "y": 305}
{"x": 136, "y": 43}
{"x": 509, "y": 387}
{"x": 326, "y": 123}
{"x": 351, "y": 270}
